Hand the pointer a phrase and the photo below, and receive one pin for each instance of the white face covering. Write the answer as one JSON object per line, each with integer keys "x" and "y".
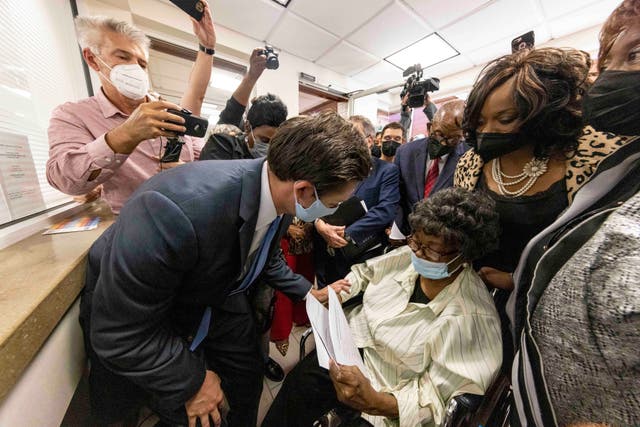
{"x": 130, "y": 80}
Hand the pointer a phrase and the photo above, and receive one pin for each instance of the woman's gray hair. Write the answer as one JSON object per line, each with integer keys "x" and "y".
{"x": 90, "y": 32}
{"x": 459, "y": 216}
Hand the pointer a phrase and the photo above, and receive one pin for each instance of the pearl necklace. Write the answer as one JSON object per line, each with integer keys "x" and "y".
{"x": 533, "y": 170}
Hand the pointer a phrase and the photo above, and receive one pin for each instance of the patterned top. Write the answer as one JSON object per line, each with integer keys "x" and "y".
{"x": 424, "y": 354}
{"x": 593, "y": 148}
{"x": 587, "y": 326}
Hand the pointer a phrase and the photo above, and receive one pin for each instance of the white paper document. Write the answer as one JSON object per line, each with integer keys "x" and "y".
{"x": 332, "y": 333}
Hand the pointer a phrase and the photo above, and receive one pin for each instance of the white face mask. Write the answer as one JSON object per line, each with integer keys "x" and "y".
{"x": 130, "y": 79}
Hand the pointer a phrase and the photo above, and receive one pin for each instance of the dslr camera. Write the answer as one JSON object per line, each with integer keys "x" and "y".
{"x": 196, "y": 126}
{"x": 416, "y": 87}
{"x": 272, "y": 57}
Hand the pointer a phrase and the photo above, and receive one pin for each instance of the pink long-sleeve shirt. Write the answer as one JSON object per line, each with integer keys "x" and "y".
{"x": 80, "y": 159}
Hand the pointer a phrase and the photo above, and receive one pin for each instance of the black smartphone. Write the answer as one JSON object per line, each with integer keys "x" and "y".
{"x": 196, "y": 126}
{"x": 172, "y": 150}
{"x": 525, "y": 41}
{"x": 195, "y": 8}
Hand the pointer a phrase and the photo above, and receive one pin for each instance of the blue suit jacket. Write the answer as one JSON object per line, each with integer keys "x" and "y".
{"x": 179, "y": 245}
{"x": 411, "y": 159}
{"x": 380, "y": 193}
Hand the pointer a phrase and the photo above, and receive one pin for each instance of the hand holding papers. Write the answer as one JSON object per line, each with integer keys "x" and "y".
{"x": 332, "y": 333}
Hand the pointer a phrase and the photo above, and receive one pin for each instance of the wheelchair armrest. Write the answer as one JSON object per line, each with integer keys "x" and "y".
{"x": 460, "y": 409}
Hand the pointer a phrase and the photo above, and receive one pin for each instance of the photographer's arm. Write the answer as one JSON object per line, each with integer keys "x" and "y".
{"x": 201, "y": 73}
{"x": 233, "y": 111}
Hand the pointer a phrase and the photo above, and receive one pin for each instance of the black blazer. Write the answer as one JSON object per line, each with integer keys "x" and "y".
{"x": 178, "y": 246}
{"x": 411, "y": 159}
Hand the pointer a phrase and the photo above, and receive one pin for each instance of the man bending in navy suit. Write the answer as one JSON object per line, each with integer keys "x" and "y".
{"x": 427, "y": 165}
{"x": 380, "y": 194}
{"x": 165, "y": 305}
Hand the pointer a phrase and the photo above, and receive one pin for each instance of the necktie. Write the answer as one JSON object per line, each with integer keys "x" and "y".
{"x": 259, "y": 260}
{"x": 432, "y": 177}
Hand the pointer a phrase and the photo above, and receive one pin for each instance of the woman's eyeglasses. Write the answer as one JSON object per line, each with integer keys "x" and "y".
{"x": 416, "y": 247}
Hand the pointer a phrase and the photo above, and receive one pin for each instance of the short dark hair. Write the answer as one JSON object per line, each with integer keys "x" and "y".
{"x": 324, "y": 149}
{"x": 460, "y": 217}
{"x": 393, "y": 125}
{"x": 267, "y": 110}
{"x": 549, "y": 84}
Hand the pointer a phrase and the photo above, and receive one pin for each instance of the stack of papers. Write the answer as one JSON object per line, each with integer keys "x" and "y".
{"x": 332, "y": 333}
{"x": 74, "y": 224}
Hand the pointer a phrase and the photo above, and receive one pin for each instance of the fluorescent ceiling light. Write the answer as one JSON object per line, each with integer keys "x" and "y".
{"x": 426, "y": 52}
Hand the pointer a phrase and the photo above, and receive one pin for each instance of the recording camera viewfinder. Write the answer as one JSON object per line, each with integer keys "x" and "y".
{"x": 196, "y": 126}
{"x": 272, "y": 57}
{"x": 195, "y": 8}
{"x": 416, "y": 88}
{"x": 525, "y": 41}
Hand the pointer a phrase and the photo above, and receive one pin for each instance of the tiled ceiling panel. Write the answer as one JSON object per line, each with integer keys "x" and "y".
{"x": 301, "y": 38}
{"x": 554, "y": 8}
{"x": 583, "y": 18}
{"x": 381, "y": 73}
{"x": 395, "y": 28}
{"x": 257, "y": 24}
{"x": 450, "y": 66}
{"x": 347, "y": 59}
{"x": 338, "y": 16}
{"x": 439, "y": 14}
{"x": 494, "y": 50}
{"x": 493, "y": 23}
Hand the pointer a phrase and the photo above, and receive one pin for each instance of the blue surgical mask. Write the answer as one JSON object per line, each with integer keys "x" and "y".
{"x": 260, "y": 148}
{"x": 433, "y": 270}
{"x": 313, "y": 212}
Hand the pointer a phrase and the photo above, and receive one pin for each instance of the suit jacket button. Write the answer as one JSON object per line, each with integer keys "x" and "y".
{"x": 189, "y": 338}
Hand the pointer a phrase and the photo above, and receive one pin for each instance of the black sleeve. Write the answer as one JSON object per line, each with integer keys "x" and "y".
{"x": 232, "y": 113}
{"x": 153, "y": 248}
{"x": 430, "y": 111}
{"x": 221, "y": 146}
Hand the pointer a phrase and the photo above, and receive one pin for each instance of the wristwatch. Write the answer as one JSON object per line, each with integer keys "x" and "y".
{"x": 207, "y": 50}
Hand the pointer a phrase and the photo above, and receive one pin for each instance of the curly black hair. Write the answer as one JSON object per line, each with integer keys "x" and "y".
{"x": 267, "y": 110}
{"x": 461, "y": 217}
{"x": 549, "y": 84}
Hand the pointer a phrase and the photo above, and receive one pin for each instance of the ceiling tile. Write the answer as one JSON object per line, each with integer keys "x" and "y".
{"x": 351, "y": 15}
{"x": 493, "y": 23}
{"x": 448, "y": 67}
{"x": 484, "y": 54}
{"x": 257, "y": 24}
{"x": 395, "y": 28}
{"x": 439, "y": 13}
{"x": 555, "y": 8}
{"x": 583, "y": 18}
{"x": 301, "y": 38}
{"x": 381, "y": 73}
{"x": 347, "y": 59}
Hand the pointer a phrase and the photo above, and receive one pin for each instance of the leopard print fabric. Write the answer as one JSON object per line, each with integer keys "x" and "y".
{"x": 593, "y": 147}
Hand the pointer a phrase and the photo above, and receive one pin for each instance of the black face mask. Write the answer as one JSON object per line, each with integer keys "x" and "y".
{"x": 436, "y": 149}
{"x": 375, "y": 151}
{"x": 613, "y": 103}
{"x": 389, "y": 148}
{"x": 493, "y": 145}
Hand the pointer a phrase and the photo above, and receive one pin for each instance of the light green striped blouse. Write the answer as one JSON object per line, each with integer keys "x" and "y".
{"x": 423, "y": 354}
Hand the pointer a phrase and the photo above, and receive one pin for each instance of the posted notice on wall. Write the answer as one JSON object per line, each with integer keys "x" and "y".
{"x": 20, "y": 193}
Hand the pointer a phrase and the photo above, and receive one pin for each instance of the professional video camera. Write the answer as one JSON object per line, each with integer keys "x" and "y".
{"x": 416, "y": 88}
{"x": 272, "y": 57}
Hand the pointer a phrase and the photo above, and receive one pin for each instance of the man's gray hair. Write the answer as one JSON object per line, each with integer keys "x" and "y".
{"x": 90, "y": 31}
{"x": 367, "y": 126}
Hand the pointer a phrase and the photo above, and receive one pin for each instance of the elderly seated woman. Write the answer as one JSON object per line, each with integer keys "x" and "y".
{"x": 427, "y": 327}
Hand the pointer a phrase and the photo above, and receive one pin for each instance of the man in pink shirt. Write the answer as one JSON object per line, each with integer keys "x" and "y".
{"x": 116, "y": 138}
